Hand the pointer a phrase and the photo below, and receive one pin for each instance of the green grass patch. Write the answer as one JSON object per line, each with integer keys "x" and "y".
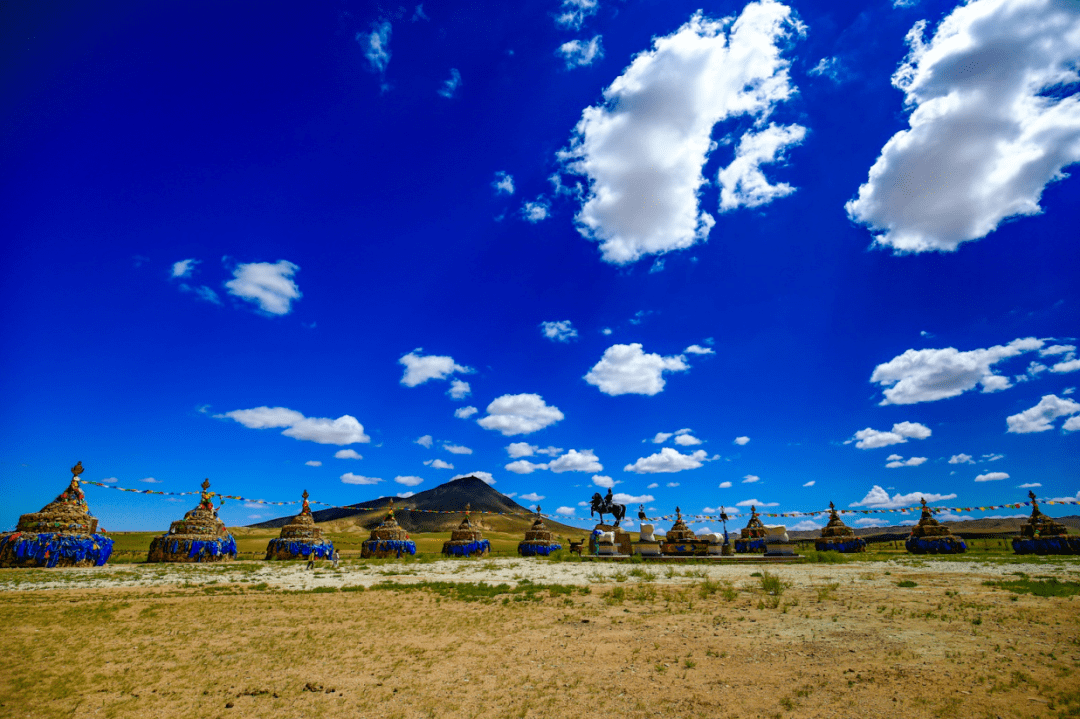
{"x": 907, "y": 584}
{"x": 1038, "y": 587}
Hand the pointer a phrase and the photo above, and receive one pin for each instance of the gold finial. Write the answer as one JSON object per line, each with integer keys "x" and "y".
{"x": 467, "y": 507}
{"x": 206, "y": 484}
{"x": 538, "y": 510}
{"x": 832, "y": 507}
{"x": 678, "y": 514}
{"x": 77, "y": 470}
{"x": 1031, "y": 496}
{"x": 305, "y": 494}
{"x": 923, "y": 500}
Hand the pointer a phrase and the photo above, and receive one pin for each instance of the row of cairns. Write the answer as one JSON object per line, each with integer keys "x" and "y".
{"x": 388, "y": 539}
{"x": 62, "y": 534}
{"x": 466, "y": 540}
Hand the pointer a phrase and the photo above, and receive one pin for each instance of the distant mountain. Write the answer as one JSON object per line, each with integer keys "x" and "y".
{"x": 449, "y": 497}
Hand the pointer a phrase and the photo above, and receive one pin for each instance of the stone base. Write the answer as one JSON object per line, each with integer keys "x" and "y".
{"x": 384, "y": 548}
{"x": 940, "y": 544}
{"x": 1055, "y": 544}
{"x": 30, "y": 549}
{"x": 750, "y": 546}
{"x": 466, "y": 548}
{"x": 649, "y": 549}
{"x": 779, "y": 549}
{"x": 622, "y": 539}
{"x": 286, "y": 549}
{"x": 691, "y": 548}
{"x": 537, "y": 548}
{"x": 847, "y": 545}
{"x": 170, "y": 548}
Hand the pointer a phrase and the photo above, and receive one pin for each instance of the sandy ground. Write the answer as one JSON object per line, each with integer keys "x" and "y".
{"x": 255, "y": 640}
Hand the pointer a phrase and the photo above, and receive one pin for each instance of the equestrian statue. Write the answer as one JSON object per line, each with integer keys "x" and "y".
{"x": 607, "y": 505}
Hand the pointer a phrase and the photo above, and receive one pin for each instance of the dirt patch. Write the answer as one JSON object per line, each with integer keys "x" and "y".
{"x": 277, "y": 640}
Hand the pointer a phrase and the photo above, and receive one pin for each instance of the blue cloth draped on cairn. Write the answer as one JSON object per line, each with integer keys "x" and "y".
{"x": 300, "y": 538}
{"x": 930, "y": 537}
{"x": 62, "y": 534}
{"x": 199, "y": 537}
{"x": 752, "y": 536}
{"x": 1042, "y": 535}
{"x": 538, "y": 540}
{"x": 680, "y": 540}
{"x": 837, "y": 536}
{"x": 465, "y": 541}
{"x": 388, "y": 539}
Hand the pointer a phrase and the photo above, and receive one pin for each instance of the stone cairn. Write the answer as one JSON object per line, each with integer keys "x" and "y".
{"x": 466, "y": 540}
{"x": 199, "y": 537}
{"x": 681, "y": 540}
{"x": 538, "y": 540}
{"x": 62, "y": 534}
{"x": 837, "y": 536}
{"x": 388, "y": 539}
{"x": 300, "y": 538}
{"x": 931, "y": 537}
{"x": 1042, "y": 535}
{"x": 752, "y": 536}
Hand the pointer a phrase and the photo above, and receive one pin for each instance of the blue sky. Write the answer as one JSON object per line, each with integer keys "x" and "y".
{"x": 703, "y": 253}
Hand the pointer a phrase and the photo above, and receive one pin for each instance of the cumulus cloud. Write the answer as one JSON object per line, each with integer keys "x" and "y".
{"x": 562, "y": 331}
{"x": 933, "y": 374}
{"x": 536, "y": 210}
{"x": 878, "y": 498}
{"x": 524, "y": 466}
{"x": 870, "y": 522}
{"x": 1072, "y": 424}
{"x": 725, "y": 485}
{"x": 483, "y": 476}
{"x": 459, "y": 389}
{"x": 421, "y": 368}
{"x": 742, "y": 183}
{"x": 184, "y": 268}
{"x": 532, "y": 497}
{"x": 270, "y": 286}
{"x": 503, "y": 183}
{"x": 408, "y": 481}
{"x": 347, "y": 454}
{"x": 605, "y": 482}
{"x": 667, "y": 460}
{"x": 644, "y": 147}
{"x": 451, "y": 84}
{"x": 350, "y": 478}
{"x": 1067, "y": 366}
{"x": 698, "y": 350}
{"x": 425, "y": 441}
{"x": 465, "y": 412}
{"x": 686, "y": 440}
{"x": 519, "y": 414}
{"x": 575, "y": 461}
{"x": 756, "y": 503}
{"x": 1041, "y": 417}
{"x": 376, "y": 45}
{"x": 992, "y": 477}
{"x": 456, "y": 448}
{"x": 989, "y": 128}
{"x": 807, "y": 525}
{"x": 626, "y": 369}
{"x": 576, "y": 53}
{"x": 632, "y": 498}
{"x": 313, "y": 463}
{"x": 961, "y": 459}
{"x": 438, "y": 464}
{"x": 343, "y": 430}
{"x": 750, "y": 479}
{"x": 524, "y": 449}
{"x": 572, "y": 13}
{"x": 565, "y": 511}
{"x": 741, "y": 440}
{"x": 901, "y": 432}
{"x": 898, "y": 461}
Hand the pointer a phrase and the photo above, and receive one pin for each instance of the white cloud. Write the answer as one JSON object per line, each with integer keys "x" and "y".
{"x": 459, "y": 389}
{"x": 605, "y": 482}
{"x": 621, "y": 498}
{"x": 408, "y": 481}
{"x": 987, "y": 133}
{"x": 756, "y": 503}
{"x": 992, "y": 476}
{"x": 465, "y": 412}
{"x": 725, "y": 485}
{"x": 483, "y": 476}
{"x": 524, "y": 466}
{"x": 961, "y": 459}
{"x": 575, "y": 461}
{"x": 1064, "y": 499}
{"x": 313, "y": 463}
{"x": 558, "y": 331}
{"x": 644, "y": 147}
{"x": 520, "y": 449}
{"x": 870, "y": 522}
{"x": 1040, "y": 418}
{"x": 532, "y": 497}
{"x": 606, "y": 331}
{"x": 536, "y": 210}
{"x": 992, "y": 457}
{"x": 1068, "y": 366}
{"x": 687, "y": 440}
{"x": 519, "y": 414}
{"x": 807, "y": 525}
{"x": 376, "y": 45}
{"x": 350, "y": 478}
{"x": 626, "y": 369}
{"x": 347, "y": 454}
{"x": 662, "y": 437}
{"x": 742, "y": 183}
{"x": 203, "y": 293}
{"x": 652, "y": 485}
{"x": 673, "y": 484}
{"x": 1028, "y": 485}
{"x": 565, "y": 511}
{"x": 110, "y": 480}
{"x": 1072, "y": 424}
{"x": 270, "y": 286}
{"x": 573, "y": 13}
{"x": 667, "y": 460}
{"x": 827, "y": 67}
{"x": 1068, "y": 390}
{"x": 456, "y": 448}
{"x": 451, "y": 84}
{"x": 811, "y": 483}
{"x": 741, "y": 440}
{"x": 425, "y": 441}
{"x": 1057, "y": 350}
{"x": 420, "y": 368}
{"x": 503, "y": 183}
{"x": 438, "y": 464}
{"x": 933, "y": 374}
{"x": 901, "y": 432}
{"x": 343, "y": 430}
{"x": 405, "y": 495}
{"x": 901, "y": 462}
{"x": 878, "y": 498}
{"x": 184, "y": 268}
{"x": 751, "y": 478}
{"x": 699, "y": 350}
{"x": 150, "y": 480}
{"x": 577, "y": 53}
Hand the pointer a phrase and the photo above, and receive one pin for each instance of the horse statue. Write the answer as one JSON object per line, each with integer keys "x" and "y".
{"x": 602, "y": 506}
